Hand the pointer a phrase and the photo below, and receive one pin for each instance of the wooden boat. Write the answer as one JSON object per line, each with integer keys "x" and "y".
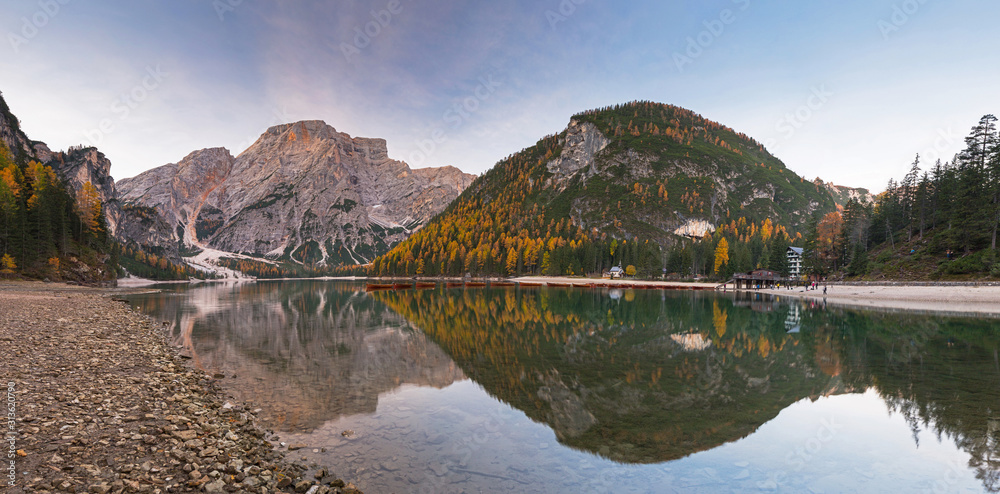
{"x": 452, "y": 284}
{"x": 530, "y": 284}
{"x": 583, "y": 285}
{"x": 371, "y": 287}
{"x": 426, "y": 285}
{"x": 402, "y": 286}
{"x": 561, "y": 285}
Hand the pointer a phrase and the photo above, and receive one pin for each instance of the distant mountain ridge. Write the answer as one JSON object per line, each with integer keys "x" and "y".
{"x": 842, "y": 195}
{"x": 307, "y": 194}
{"x": 303, "y": 192}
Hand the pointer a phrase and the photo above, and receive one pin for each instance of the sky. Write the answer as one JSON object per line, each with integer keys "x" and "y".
{"x": 848, "y": 91}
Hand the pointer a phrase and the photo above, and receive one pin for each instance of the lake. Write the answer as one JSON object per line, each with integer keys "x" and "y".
{"x": 601, "y": 390}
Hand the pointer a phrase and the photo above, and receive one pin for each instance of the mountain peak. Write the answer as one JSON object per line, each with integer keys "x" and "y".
{"x": 303, "y": 127}
{"x": 303, "y": 193}
{"x": 207, "y": 153}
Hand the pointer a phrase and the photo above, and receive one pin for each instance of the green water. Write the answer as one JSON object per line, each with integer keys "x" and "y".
{"x": 596, "y": 390}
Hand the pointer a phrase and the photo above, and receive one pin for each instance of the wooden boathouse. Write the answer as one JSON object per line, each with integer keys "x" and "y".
{"x": 757, "y": 279}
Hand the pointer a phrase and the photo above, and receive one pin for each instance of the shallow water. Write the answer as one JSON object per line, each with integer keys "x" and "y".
{"x": 596, "y": 390}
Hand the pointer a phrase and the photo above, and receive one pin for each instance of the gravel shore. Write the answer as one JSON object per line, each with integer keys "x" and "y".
{"x": 97, "y": 402}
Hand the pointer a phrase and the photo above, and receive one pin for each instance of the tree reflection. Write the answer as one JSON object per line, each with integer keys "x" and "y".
{"x": 669, "y": 374}
{"x": 939, "y": 373}
{"x": 643, "y": 378}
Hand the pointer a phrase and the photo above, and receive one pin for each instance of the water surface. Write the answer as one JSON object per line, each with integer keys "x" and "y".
{"x": 597, "y": 390}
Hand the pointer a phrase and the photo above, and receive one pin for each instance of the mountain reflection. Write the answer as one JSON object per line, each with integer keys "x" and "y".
{"x": 655, "y": 376}
{"x": 635, "y": 376}
{"x": 307, "y": 352}
{"x": 647, "y": 377}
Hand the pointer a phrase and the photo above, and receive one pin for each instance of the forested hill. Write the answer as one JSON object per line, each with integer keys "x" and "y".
{"x": 48, "y": 230}
{"x": 615, "y": 186}
{"x": 940, "y": 221}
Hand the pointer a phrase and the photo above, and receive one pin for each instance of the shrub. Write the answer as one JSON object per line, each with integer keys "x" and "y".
{"x": 972, "y": 263}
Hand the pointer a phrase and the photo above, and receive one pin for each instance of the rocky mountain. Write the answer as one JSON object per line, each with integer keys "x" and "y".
{"x": 303, "y": 192}
{"x": 648, "y": 171}
{"x": 15, "y": 139}
{"x": 75, "y": 167}
{"x": 660, "y": 169}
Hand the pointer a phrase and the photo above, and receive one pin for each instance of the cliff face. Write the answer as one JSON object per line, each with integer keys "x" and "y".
{"x": 303, "y": 192}
{"x": 683, "y": 180}
{"x": 842, "y": 195}
{"x": 11, "y": 134}
{"x": 161, "y": 203}
{"x": 75, "y": 167}
{"x": 79, "y": 166}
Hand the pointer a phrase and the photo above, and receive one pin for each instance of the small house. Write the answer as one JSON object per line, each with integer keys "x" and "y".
{"x": 616, "y": 272}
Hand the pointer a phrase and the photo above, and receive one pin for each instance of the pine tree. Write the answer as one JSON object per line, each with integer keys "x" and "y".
{"x": 779, "y": 255}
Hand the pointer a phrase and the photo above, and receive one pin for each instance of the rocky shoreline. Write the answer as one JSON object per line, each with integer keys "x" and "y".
{"x": 98, "y": 402}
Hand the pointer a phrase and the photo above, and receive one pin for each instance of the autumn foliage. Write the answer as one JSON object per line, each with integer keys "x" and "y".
{"x": 518, "y": 219}
{"x": 45, "y": 228}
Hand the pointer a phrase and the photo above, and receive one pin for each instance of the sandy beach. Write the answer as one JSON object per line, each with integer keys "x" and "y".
{"x": 964, "y": 299}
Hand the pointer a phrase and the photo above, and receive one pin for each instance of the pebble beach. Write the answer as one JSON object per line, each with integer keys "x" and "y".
{"x": 98, "y": 402}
